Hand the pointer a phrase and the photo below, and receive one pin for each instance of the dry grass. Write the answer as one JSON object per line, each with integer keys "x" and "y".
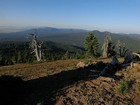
{"x": 108, "y": 60}
{"x": 32, "y": 71}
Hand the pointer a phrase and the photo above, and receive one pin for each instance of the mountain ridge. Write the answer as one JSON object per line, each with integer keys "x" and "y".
{"x": 71, "y": 36}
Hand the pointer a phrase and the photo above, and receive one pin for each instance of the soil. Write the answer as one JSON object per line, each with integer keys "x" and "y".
{"x": 61, "y": 83}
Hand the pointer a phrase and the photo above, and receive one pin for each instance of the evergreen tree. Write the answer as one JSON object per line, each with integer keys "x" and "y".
{"x": 66, "y": 55}
{"x": 91, "y": 45}
{"x": 78, "y": 55}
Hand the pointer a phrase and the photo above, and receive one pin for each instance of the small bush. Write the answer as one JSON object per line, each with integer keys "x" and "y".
{"x": 124, "y": 87}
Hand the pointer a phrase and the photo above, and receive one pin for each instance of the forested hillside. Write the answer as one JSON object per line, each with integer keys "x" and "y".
{"x": 14, "y": 52}
{"x": 71, "y": 36}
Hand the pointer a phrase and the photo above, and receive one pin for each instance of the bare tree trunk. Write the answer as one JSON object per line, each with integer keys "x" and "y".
{"x": 105, "y": 46}
{"x": 35, "y": 47}
{"x": 37, "y": 56}
{"x": 40, "y": 54}
{"x": 136, "y": 54}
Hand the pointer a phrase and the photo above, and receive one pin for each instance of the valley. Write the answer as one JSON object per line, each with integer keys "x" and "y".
{"x": 71, "y": 36}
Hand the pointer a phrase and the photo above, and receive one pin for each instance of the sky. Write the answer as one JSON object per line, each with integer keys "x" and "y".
{"x": 120, "y": 16}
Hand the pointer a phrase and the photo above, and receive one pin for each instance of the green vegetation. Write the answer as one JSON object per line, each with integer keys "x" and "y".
{"x": 91, "y": 45}
{"x": 14, "y": 52}
{"x": 19, "y": 52}
{"x": 124, "y": 87}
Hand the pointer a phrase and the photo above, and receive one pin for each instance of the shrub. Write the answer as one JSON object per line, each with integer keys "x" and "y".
{"x": 124, "y": 87}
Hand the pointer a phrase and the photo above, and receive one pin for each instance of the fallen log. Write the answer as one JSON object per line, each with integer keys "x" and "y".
{"x": 115, "y": 65}
{"x": 136, "y": 54}
{"x": 111, "y": 68}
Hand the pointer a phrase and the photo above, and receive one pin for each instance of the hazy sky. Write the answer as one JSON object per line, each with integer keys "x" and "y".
{"x": 104, "y": 15}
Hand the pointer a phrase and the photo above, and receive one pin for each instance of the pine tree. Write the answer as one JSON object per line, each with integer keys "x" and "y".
{"x": 91, "y": 45}
{"x": 78, "y": 55}
{"x": 66, "y": 55}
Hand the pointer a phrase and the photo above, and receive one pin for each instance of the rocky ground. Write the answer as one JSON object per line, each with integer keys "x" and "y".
{"x": 103, "y": 90}
{"x": 62, "y": 83}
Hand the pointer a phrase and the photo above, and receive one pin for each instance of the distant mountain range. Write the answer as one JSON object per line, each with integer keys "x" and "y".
{"x": 71, "y": 36}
